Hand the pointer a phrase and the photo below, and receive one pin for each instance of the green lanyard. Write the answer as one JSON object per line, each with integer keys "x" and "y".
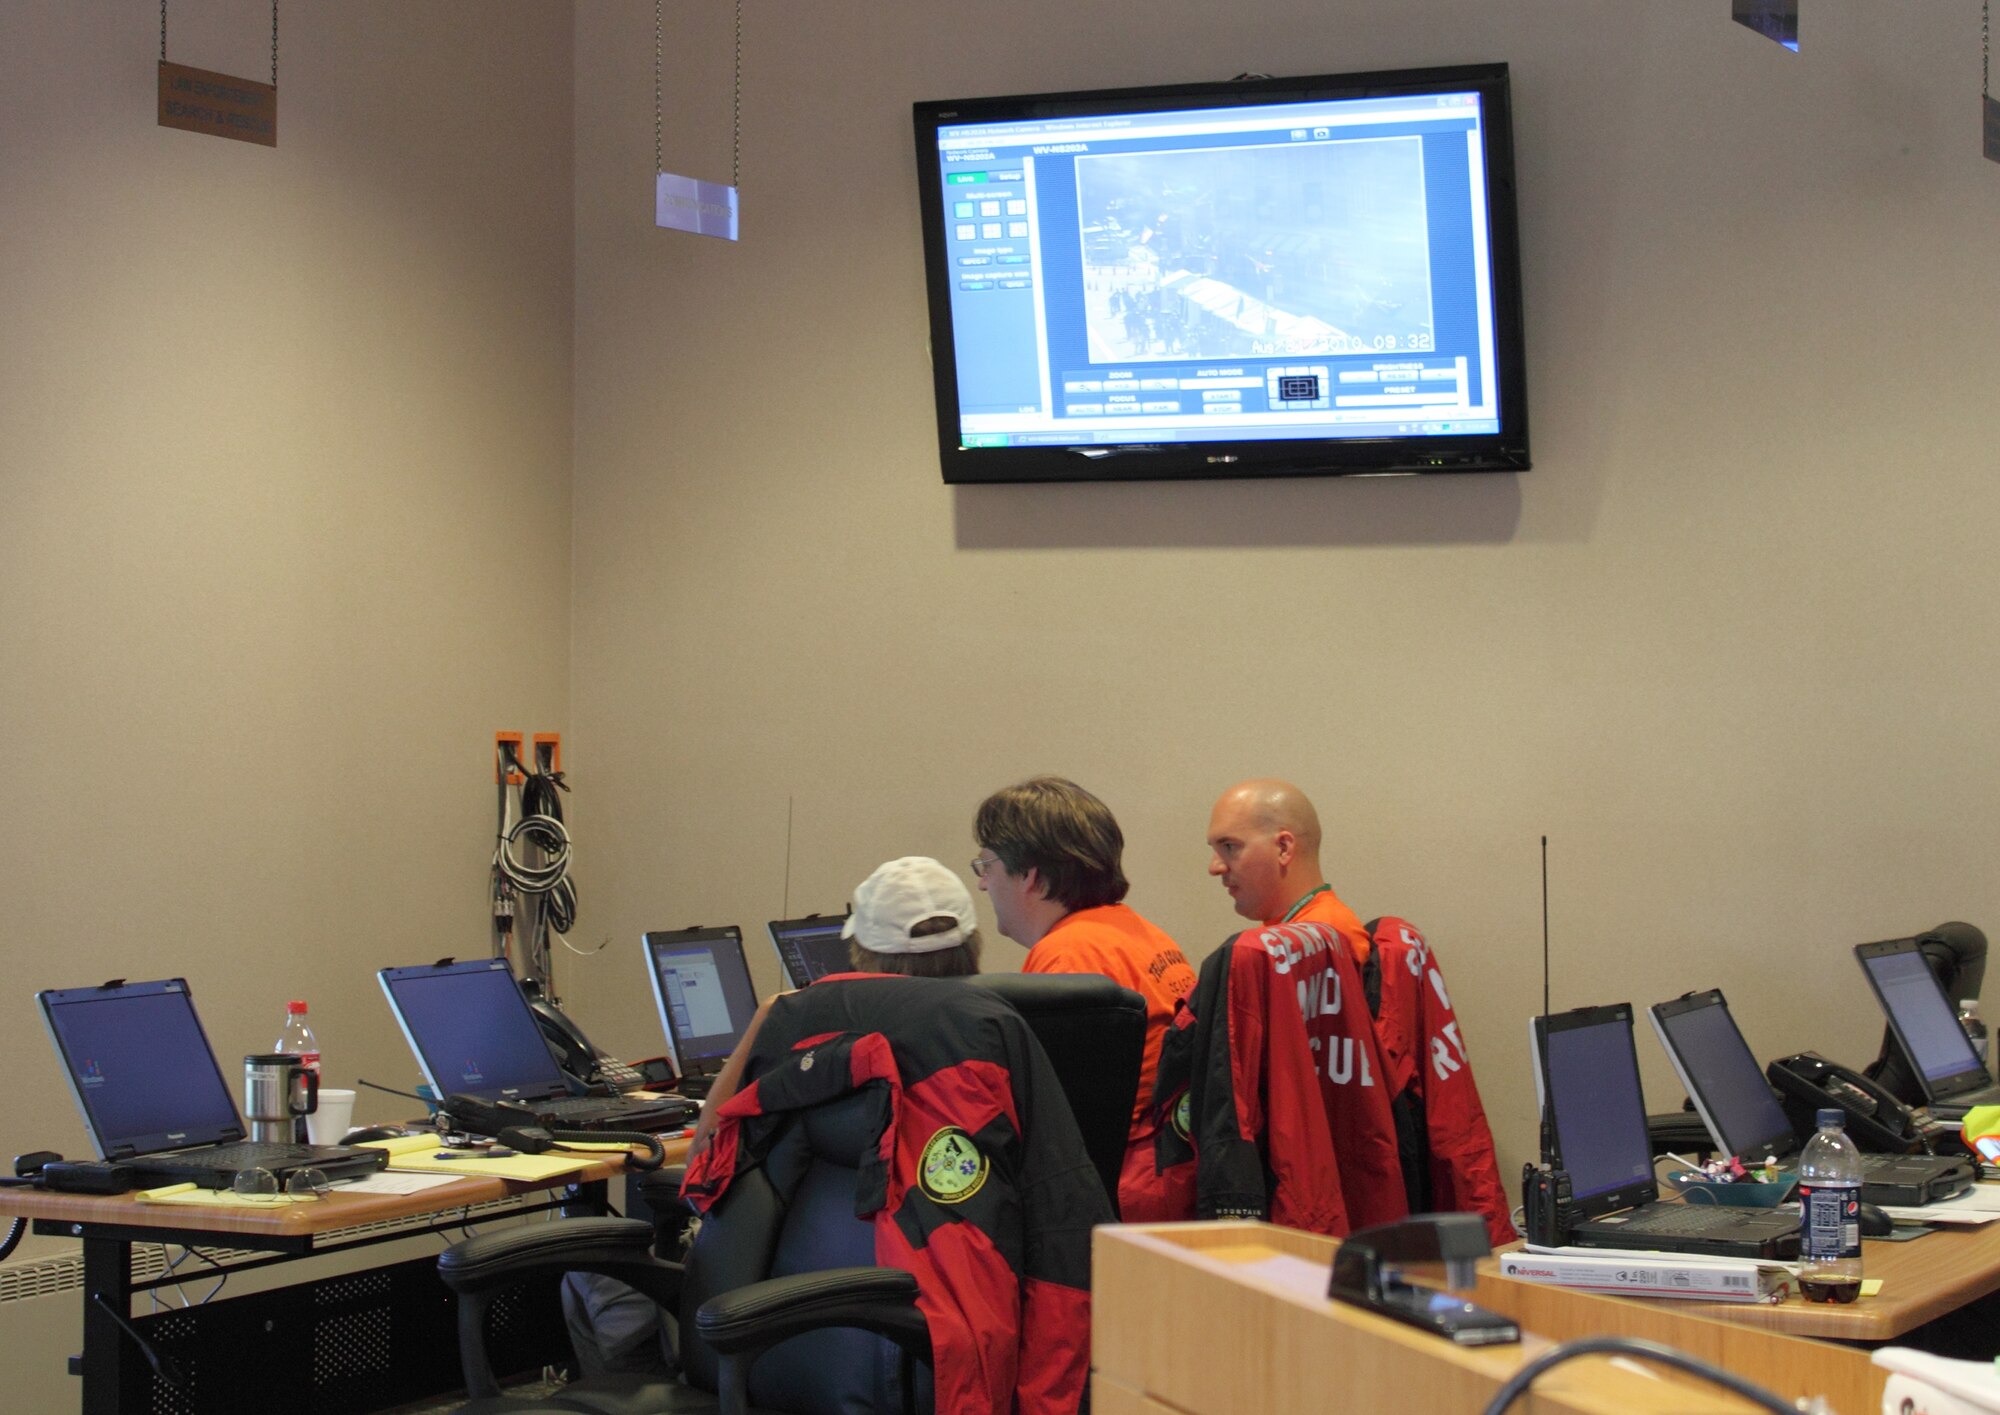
{"x": 1304, "y": 900}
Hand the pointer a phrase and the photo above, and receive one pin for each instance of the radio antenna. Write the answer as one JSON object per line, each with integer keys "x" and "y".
{"x": 788, "y": 858}
{"x": 1545, "y": 926}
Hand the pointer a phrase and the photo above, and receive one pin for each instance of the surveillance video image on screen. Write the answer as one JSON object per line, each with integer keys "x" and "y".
{"x": 1231, "y": 253}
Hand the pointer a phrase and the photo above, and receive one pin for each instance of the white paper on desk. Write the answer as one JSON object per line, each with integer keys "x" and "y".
{"x": 1978, "y": 1205}
{"x": 397, "y": 1182}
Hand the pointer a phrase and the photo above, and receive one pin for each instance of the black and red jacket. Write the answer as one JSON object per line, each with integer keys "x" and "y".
{"x": 981, "y": 1187}
{"x": 1453, "y": 1167}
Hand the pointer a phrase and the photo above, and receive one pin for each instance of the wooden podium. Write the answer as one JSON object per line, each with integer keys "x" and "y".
{"x": 1220, "y": 1318}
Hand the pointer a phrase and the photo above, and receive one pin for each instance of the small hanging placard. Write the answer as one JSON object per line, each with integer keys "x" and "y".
{"x": 1992, "y": 109}
{"x": 690, "y": 204}
{"x": 1774, "y": 19}
{"x": 223, "y": 107}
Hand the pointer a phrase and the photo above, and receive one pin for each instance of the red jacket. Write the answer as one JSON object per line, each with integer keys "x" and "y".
{"x": 980, "y": 1187}
{"x": 1285, "y": 1114}
{"x": 1424, "y": 1055}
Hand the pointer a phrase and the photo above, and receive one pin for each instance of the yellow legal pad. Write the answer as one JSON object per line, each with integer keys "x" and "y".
{"x": 417, "y": 1154}
{"x": 216, "y": 1198}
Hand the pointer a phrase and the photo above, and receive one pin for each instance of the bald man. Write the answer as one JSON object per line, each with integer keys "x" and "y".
{"x": 1263, "y": 841}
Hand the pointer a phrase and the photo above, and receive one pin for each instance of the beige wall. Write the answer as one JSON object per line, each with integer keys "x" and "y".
{"x": 1731, "y": 644}
{"x": 285, "y": 469}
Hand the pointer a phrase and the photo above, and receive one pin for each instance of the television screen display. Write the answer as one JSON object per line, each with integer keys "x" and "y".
{"x": 1270, "y": 277}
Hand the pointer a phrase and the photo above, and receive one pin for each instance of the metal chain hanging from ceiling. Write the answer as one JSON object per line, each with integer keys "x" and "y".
{"x": 274, "y": 36}
{"x": 735, "y": 104}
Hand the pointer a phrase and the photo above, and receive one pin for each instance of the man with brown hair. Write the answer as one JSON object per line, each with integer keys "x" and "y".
{"x": 1050, "y": 859}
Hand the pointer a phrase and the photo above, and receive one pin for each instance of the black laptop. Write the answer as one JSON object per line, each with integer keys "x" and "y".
{"x": 152, "y": 1096}
{"x": 1587, "y": 1079}
{"x": 810, "y": 948}
{"x": 1744, "y": 1118}
{"x": 473, "y": 1034}
{"x": 1921, "y": 1019}
{"x": 701, "y": 982}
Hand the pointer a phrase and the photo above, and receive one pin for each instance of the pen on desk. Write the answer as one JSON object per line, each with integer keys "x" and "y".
{"x": 495, "y": 1154}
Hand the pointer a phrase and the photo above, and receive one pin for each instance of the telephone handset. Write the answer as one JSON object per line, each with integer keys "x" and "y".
{"x": 1876, "y": 1120}
{"x": 584, "y": 1062}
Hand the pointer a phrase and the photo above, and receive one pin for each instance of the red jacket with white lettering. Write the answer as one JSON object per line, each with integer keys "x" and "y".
{"x": 981, "y": 1186}
{"x": 1286, "y": 1111}
{"x": 1424, "y": 1055}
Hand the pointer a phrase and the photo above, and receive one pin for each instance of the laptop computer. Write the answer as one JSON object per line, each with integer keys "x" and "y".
{"x": 1921, "y": 1018}
{"x": 146, "y": 1082}
{"x": 1744, "y": 1118}
{"x": 472, "y": 1033}
{"x": 701, "y": 983}
{"x": 1587, "y": 1080}
{"x": 810, "y": 948}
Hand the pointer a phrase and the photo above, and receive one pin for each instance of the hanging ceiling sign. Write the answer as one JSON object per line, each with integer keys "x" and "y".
{"x": 1774, "y": 19}
{"x": 689, "y": 204}
{"x": 1992, "y": 108}
{"x": 216, "y": 104}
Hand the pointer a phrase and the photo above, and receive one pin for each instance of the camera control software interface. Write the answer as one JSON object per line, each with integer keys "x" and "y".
{"x": 1305, "y": 270}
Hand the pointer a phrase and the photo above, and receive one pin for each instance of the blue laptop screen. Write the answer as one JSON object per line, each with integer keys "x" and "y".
{"x": 472, "y": 1030}
{"x": 141, "y": 1067}
{"x": 1928, "y": 1027}
{"x": 1600, "y": 1112}
{"x": 1719, "y": 1065}
{"x": 809, "y": 949}
{"x": 705, "y": 996}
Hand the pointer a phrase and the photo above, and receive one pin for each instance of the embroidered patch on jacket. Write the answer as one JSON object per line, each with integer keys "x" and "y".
{"x": 951, "y": 1168}
{"x": 1182, "y": 1112}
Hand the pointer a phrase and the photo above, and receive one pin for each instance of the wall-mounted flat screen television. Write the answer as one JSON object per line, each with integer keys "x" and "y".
{"x": 1268, "y": 277}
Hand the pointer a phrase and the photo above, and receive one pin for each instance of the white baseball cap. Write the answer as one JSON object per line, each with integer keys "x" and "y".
{"x": 902, "y": 894}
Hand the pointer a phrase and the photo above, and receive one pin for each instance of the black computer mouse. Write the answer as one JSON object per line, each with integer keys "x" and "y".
{"x": 1875, "y": 1223}
{"x": 372, "y": 1132}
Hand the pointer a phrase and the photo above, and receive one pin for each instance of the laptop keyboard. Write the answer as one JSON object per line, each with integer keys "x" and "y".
{"x": 247, "y": 1155}
{"x": 1681, "y": 1219}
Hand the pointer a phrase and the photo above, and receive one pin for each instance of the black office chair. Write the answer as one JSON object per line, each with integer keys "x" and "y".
{"x": 780, "y": 1269}
{"x": 778, "y": 1300}
{"x": 1094, "y": 1032}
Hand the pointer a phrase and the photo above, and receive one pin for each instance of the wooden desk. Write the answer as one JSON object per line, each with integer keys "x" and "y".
{"x": 243, "y": 1349}
{"x": 1922, "y": 1280}
{"x": 1188, "y": 1320}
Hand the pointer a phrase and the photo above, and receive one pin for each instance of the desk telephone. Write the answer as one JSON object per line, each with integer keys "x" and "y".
{"x": 574, "y": 1052}
{"x": 1876, "y": 1120}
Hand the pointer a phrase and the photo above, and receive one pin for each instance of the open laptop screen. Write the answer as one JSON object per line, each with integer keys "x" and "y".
{"x": 701, "y": 982}
{"x": 140, "y": 1067}
{"x": 471, "y": 1030}
{"x": 1590, "y": 1072}
{"x": 809, "y": 949}
{"x": 1921, "y": 1017}
{"x": 1722, "y": 1076}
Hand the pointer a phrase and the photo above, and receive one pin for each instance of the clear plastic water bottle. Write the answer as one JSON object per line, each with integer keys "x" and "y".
{"x": 1830, "y": 1213}
{"x": 1975, "y": 1029}
{"x": 298, "y": 1040}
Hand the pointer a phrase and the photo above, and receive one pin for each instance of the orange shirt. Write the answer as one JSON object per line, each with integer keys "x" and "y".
{"x": 1323, "y": 906}
{"x": 1116, "y": 942}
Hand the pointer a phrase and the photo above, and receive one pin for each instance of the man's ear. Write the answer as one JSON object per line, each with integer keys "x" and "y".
{"x": 1287, "y": 845}
{"x": 1037, "y": 887}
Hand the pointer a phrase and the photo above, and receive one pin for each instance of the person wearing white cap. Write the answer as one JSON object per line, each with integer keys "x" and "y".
{"x": 913, "y": 916}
